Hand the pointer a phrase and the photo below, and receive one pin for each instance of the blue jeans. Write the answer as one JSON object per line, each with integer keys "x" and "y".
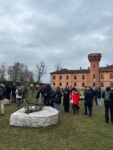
{"x": 57, "y": 106}
{"x": 18, "y": 102}
{"x": 99, "y": 102}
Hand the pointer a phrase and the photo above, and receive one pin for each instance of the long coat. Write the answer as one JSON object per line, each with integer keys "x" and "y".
{"x": 75, "y": 97}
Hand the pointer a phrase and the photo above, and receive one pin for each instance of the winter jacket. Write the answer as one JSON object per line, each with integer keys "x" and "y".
{"x": 75, "y": 97}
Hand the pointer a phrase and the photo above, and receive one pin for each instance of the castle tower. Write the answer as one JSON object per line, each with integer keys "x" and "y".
{"x": 94, "y": 78}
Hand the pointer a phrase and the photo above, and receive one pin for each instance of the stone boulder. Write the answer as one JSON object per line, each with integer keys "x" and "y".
{"x": 43, "y": 118}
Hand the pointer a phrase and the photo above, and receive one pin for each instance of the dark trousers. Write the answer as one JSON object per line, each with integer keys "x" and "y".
{"x": 88, "y": 109}
{"x": 108, "y": 111}
{"x": 18, "y": 102}
{"x": 14, "y": 99}
{"x": 75, "y": 108}
{"x": 66, "y": 107}
{"x": 95, "y": 100}
{"x": 47, "y": 101}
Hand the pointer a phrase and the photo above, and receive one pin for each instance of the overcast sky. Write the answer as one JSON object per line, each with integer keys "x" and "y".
{"x": 56, "y": 31}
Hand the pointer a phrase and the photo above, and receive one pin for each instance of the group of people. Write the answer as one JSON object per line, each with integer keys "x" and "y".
{"x": 69, "y": 97}
{"x": 53, "y": 97}
{"x": 107, "y": 95}
{"x": 13, "y": 93}
{"x": 45, "y": 94}
{"x": 97, "y": 94}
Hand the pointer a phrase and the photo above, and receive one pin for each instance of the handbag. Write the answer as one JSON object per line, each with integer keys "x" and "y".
{"x": 71, "y": 101}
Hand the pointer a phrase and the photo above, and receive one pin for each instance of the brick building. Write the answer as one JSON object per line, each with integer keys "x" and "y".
{"x": 93, "y": 76}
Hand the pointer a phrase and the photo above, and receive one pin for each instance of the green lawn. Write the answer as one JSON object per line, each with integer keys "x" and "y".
{"x": 73, "y": 132}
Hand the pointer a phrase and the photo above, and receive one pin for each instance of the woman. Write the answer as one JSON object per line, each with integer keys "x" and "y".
{"x": 75, "y": 98}
{"x": 66, "y": 103}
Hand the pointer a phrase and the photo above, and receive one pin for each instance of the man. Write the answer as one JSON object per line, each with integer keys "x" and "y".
{"x": 66, "y": 104}
{"x": 89, "y": 95}
{"x": 2, "y": 96}
{"x": 57, "y": 98}
{"x": 18, "y": 96}
{"x": 13, "y": 93}
{"x": 47, "y": 94}
{"x": 111, "y": 104}
{"x": 107, "y": 103}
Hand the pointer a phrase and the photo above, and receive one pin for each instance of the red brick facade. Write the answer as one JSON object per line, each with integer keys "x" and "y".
{"x": 93, "y": 76}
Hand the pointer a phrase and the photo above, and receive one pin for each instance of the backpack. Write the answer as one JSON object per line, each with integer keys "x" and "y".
{"x": 2, "y": 92}
{"x": 19, "y": 91}
{"x": 107, "y": 95}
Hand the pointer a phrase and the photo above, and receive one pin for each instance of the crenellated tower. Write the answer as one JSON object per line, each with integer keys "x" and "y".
{"x": 94, "y": 77}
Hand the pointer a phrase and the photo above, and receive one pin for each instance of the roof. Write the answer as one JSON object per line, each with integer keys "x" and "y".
{"x": 66, "y": 71}
{"x": 107, "y": 68}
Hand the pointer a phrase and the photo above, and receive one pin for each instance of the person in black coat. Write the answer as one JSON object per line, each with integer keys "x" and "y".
{"x": 47, "y": 95}
{"x": 89, "y": 95}
{"x": 107, "y": 103}
{"x": 7, "y": 92}
{"x": 111, "y": 104}
{"x": 57, "y": 99}
{"x": 66, "y": 101}
{"x": 13, "y": 93}
{"x": 98, "y": 96}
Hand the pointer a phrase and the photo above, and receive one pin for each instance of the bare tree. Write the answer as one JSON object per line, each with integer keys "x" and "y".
{"x": 19, "y": 72}
{"x": 40, "y": 71}
{"x": 58, "y": 67}
{"x": 3, "y": 71}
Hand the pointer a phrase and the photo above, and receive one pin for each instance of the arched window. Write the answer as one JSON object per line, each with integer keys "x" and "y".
{"x": 102, "y": 76}
{"x": 75, "y": 77}
{"x": 60, "y": 84}
{"x": 53, "y": 83}
{"x": 60, "y": 77}
{"x": 102, "y": 84}
{"x": 83, "y": 84}
{"x": 83, "y": 76}
{"x": 94, "y": 84}
{"x": 67, "y": 84}
{"x": 54, "y": 77}
{"x": 111, "y": 84}
{"x": 111, "y": 75}
{"x": 93, "y": 76}
{"x": 67, "y": 77}
{"x": 75, "y": 84}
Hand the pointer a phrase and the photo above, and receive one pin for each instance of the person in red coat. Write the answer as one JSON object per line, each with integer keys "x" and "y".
{"x": 75, "y": 98}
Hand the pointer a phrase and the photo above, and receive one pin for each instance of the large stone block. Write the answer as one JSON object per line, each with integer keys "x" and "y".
{"x": 47, "y": 116}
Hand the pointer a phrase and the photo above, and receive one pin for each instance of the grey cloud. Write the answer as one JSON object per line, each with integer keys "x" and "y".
{"x": 57, "y": 31}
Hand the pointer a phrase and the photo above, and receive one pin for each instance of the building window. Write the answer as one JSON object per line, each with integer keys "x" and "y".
{"x": 67, "y": 84}
{"x": 53, "y": 83}
{"x": 60, "y": 84}
{"x": 94, "y": 84}
{"x": 102, "y": 76}
{"x": 83, "y": 84}
{"x": 102, "y": 84}
{"x": 75, "y": 77}
{"x": 54, "y": 77}
{"x": 67, "y": 77}
{"x": 83, "y": 77}
{"x": 60, "y": 77}
{"x": 111, "y": 84}
{"x": 75, "y": 84}
{"x": 93, "y": 76}
{"x": 111, "y": 75}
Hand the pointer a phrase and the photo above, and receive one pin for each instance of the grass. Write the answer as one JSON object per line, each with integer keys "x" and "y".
{"x": 72, "y": 132}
